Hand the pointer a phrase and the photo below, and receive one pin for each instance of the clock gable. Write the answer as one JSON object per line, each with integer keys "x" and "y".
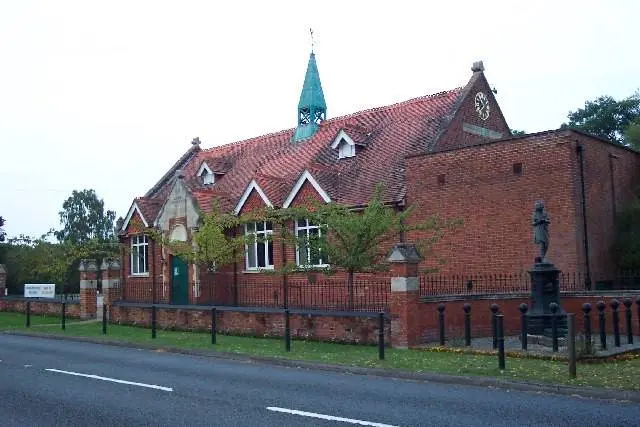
{"x": 476, "y": 117}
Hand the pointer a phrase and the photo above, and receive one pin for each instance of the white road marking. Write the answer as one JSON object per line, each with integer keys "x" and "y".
{"x": 113, "y": 380}
{"x": 327, "y": 417}
{"x": 28, "y": 366}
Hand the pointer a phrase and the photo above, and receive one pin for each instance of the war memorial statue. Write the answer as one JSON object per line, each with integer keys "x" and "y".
{"x": 545, "y": 286}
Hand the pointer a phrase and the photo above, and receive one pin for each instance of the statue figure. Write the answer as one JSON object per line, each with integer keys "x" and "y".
{"x": 540, "y": 229}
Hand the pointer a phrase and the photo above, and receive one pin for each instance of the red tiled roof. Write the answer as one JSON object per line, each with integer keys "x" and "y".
{"x": 389, "y": 133}
{"x": 149, "y": 208}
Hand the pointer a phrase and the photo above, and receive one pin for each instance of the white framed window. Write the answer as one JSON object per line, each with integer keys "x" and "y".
{"x": 345, "y": 149}
{"x": 208, "y": 178}
{"x": 309, "y": 253}
{"x": 259, "y": 246}
{"x": 139, "y": 255}
{"x": 206, "y": 175}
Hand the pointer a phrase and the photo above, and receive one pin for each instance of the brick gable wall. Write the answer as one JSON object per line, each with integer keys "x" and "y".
{"x": 495, "y": 204}
{"x": 456, "y": 137}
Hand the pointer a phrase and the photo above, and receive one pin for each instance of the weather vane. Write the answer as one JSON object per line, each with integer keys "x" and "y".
{"x": 312, "y": 42}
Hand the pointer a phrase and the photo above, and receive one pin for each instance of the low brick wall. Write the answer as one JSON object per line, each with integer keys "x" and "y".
{"x": 40, "y": 307}
{"x": 317, "y": 327}
{"x": 509, "y": 304}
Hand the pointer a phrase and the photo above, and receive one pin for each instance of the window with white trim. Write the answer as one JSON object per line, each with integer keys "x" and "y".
{"x": 208, "y": 178}
{"x": 139, "y": 255}
{"x": 346, "y": 150}
{"x": 259, "y": 246}
{"x": 308, "y": 252}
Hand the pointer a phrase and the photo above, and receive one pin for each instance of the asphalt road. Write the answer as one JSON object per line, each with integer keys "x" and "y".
{"x": 49, "y": 383}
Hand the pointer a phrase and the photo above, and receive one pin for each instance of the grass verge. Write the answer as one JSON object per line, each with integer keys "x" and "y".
{"x": 615, "y": 374}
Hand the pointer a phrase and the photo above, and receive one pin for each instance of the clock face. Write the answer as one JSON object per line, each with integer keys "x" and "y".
{"x": 482, "y": 105}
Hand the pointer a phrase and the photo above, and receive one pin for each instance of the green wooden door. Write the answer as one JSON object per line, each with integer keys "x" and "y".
{"x": 179, "y": 282}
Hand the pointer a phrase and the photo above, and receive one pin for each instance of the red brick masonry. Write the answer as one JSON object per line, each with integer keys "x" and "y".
{"x": 41, "y": 307}
{"x": 318, "y": 327}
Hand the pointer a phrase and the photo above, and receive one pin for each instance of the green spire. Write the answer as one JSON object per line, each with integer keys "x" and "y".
{"x": 311, "y": 109}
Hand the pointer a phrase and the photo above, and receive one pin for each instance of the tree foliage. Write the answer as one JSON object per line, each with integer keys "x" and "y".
{"x": 517, "y": 132}
{"x": 84, "y": 218}
{"x": 627, "y": 246}
{"x": 39, "y": 260}
{"x": 214, "y": 243}
{"x": 607, "y": 118}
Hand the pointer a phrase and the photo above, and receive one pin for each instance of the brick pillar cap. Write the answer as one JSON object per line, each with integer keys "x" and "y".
{"x": 3, "y": 269}
{"x": 404, "y": 253}
{"x": 88, "y": 265}
{"x": 110, "y": 264}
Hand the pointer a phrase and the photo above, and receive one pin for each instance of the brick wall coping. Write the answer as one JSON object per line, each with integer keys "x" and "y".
{"x": 265, "y": 310}
{"x": 41, "y": 300}
{"x": 595, "y": 294}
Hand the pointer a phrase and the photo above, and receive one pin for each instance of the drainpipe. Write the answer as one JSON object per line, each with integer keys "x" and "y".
{"x": 580, "y": 152}
{"x": 613, "y": 188}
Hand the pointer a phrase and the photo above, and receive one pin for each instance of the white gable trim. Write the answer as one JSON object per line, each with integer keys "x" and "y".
{"x": 342, "y": 135}
{"x": 134, "y": 208}
{"x": 253, "y": 185}
{"x": 203, "y": 168}
{"x": 306, "y": 176}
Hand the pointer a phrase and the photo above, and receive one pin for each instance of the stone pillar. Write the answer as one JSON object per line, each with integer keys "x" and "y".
{"x": 3, "y": 280}
{"x": 405, "y": 296}
{"x": 111, "y": 290}
{"x": 88, "y": 287}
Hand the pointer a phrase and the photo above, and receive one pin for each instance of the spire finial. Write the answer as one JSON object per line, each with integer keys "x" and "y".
{"x": 312, "y": 41}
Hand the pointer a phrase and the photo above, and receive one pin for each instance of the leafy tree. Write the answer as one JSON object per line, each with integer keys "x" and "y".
{"x": 517, "y": 132}
{"x": 607, "y": 118}
{"x": 627, "y": 246}
{"x": 84, "y": 218}
{"x": 213, "y": 246}
{"x": 632, "y": 134}
{"x": 38, "y": 260}
{"x": 359, "y": 241}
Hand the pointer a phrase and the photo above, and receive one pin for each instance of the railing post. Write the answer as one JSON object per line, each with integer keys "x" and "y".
{"x": 213, "y": 325}
{"x": 287, "y": 331}
{"x": 441, "y": 308}
{"x": 616, "y": 321}
{"x": 467, "y": 324}
{"x": 381, "y": 336}
{"x": 500, "y": 324}
{"x": 553, "y": 307}
{"x": 523, "y": 325}
{"x": 63, "y": 315}
{"x": 586, "y": 308}
{"x": 602, "y": 326}
{"x": 494, "y": 324}
{"x": 627, "y": 304}
{"x": 104, "y": 319}
{"x": 571, "y": 326}
{"x": 27, "y": 309}
{"x": 153, "y": 321}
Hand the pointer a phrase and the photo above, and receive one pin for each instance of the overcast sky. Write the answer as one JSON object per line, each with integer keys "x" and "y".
{"x": 107, "y": 95}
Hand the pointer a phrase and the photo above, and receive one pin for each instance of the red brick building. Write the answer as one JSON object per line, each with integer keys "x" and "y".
{"x": 449, "y": 153}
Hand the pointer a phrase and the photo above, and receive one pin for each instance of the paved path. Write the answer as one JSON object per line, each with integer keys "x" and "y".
{"x": 47, "y": 382}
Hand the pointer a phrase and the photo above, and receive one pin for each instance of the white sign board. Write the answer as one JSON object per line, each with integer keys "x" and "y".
{"x": 40, "y": 290}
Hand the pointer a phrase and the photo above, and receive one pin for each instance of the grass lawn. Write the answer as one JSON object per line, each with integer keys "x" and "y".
{"x": 617, "y": 374}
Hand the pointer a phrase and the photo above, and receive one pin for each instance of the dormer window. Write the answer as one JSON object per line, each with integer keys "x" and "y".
{"x": 346, "y": 150}
{"x": 345, "y": 145}
{"x": 206, "y": 175}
